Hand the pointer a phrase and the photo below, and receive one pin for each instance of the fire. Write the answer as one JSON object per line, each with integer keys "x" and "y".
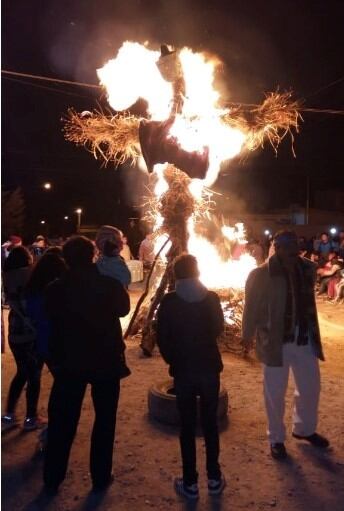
{"x": 134, "y": 74}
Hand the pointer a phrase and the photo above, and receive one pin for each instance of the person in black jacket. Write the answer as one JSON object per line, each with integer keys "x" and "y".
{"x": 189, "y": 321}
{"x": 86, "y": 346}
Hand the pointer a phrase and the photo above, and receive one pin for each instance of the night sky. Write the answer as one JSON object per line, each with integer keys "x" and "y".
{"x": 263, "y": 44}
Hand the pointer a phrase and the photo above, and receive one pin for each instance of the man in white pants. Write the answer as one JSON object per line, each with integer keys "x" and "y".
{"x": 280, "y": 311}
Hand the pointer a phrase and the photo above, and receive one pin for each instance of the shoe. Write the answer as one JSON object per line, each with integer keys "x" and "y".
{"x": 8, "y": 420}
{"x": 189, "y": 492}
{"x": 101, "y": 487}
{"x": 216, "y": 486}
{"x": 315, "y": 439}
{"x": 32, "y": 423}
{"x": 278, "y": 451}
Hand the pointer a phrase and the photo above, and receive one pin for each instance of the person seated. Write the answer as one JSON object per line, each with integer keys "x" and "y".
{"x": 327, "y": 271}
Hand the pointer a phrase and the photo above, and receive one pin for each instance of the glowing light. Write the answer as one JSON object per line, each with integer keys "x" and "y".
{"x": 66, "y": 217}
{"x": 47, "y": 186}
{"x": 78, "y": 211}
{"x": 133, "y": 74}
{"x": 333, "y": 231}
{"x": 42, "y": 222}
{"x": 267, "y": 232}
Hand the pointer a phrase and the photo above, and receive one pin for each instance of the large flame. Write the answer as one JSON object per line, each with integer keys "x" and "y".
{"x": 133, "y": 74}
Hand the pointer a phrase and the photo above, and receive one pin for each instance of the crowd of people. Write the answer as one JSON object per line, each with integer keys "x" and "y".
{"x": 65, "y": 308}
{"x": 325, "y": 251}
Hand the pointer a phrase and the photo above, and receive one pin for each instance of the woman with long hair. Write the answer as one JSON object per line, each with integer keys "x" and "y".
{"x": 49, "y": 267}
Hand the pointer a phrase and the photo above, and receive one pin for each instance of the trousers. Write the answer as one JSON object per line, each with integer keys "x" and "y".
{"x": 305, "y": 368}
{"x": 64, "y": 410}
{"x": 29, "y": 368}
{"x": 207, "y": 387}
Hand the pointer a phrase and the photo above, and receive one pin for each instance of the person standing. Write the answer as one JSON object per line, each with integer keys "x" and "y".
{"x": 22, "y": 341}
{"x": 280, "y": 310}
{"x": 189, "y": 321}
{"x": 86, "y": 347}
{"x": 109, "y": 242}
{"x": 146, "y": 251}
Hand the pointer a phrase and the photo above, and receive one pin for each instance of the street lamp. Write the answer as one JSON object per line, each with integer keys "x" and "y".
{"x": 47, "y": 186}
{"x": 66, "y": 217}
{"x": 42, "y": 222}
{"x": 267, "y": 232}
{"x": 333, "y": 231}
{"x": 78, "y": 212}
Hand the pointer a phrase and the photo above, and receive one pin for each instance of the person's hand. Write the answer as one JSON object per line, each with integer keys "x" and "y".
{"x": 247, "y": 345}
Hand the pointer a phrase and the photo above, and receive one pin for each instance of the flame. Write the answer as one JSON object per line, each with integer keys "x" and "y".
{"x": 133, "y": 74}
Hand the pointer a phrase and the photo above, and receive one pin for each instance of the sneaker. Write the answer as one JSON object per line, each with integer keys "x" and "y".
{"x": 216, "y": 486}
{"x": 189, "y": 492}
{"x": 8, "y": 420}
{"x": 315, "y": 439}
{"x": 32, "y": 423}
{"x": 278, "y": 451}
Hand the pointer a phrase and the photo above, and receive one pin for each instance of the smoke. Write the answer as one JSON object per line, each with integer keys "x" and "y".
{"x": 86, "y": 38}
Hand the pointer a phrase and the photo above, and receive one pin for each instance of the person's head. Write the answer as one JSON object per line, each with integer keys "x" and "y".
{"x": 149, "y": 236}
{"x": 109, "y": 240}
{"x": 324, "y": 237}
{"x": 332, "y": 255}
{"x": 341, "y": 236}
{"x": 125, "y": 240}
{"x": 14, "y": 241}
{"x": 286, "y": 247}
{"x": 78, "y": 252}
{"x": 40, "y": 241}
{"x": 49, "y": 267}
{"x": 19, "y": 257}
{"x": 185, "y": 267}
{"x": 55, "y": 250}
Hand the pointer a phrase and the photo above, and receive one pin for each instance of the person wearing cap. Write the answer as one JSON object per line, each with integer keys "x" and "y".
{"x": 12, "y": 242}
{"x": 280, "y": 312}
{"x": 38, "y": 247}
{"x": 109, "y": 241}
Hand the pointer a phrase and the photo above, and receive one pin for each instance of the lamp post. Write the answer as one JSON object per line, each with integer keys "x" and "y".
{"x": 78, "y": 212}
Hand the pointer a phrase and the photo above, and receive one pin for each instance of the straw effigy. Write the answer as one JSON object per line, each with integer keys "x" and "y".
{"x": 275, "y": 118}
{"x": 112, "y": 138}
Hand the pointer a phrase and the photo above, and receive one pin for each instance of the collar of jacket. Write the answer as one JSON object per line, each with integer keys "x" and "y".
{"x": 275, "y": 267}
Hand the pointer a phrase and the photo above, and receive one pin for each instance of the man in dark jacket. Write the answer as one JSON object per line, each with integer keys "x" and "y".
{"x": 189, "y": 321}
{"x": 86, "y": 347}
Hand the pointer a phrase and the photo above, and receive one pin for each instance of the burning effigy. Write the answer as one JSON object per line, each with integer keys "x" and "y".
{"x": 187, "y": 134}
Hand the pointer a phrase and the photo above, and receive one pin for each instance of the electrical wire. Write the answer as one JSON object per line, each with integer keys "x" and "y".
{"x": 328, "y": 111}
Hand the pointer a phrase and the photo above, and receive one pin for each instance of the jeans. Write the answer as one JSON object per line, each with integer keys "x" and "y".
{"x": 65, "y": 403}
{"x": 29, "y": 369}
{"x": 188, "y": 387}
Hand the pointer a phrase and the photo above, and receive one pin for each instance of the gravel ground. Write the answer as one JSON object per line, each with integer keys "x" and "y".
{"x": 147, "y": 455}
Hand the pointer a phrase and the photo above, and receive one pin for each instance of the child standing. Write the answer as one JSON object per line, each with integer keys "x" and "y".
{"x": 189, "y": 321}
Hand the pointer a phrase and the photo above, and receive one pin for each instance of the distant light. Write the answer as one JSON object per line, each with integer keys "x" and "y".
{"x": 66, "y": 217}
{"x": 333, "y": 230}
{"x": 47, "y": 186}
{"x": 42, "y": 222}
{"x": 267, "y": 232}
{"x": 78, "y": 211}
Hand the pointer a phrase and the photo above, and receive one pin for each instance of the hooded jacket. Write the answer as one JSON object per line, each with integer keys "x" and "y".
{"x": 265, "y": 307}
{"x": 189, "y": 321}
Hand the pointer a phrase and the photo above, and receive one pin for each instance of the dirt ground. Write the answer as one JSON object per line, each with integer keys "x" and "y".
{"x": 147, "y": 455}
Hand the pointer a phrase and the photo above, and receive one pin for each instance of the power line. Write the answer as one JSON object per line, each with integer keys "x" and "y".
{"x": 84, "y": 84}
{"x": 60, "y": 91}
{"x": 49, "y": 79}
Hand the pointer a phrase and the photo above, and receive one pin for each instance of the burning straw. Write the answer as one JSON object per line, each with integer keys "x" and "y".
{"x": 272, "y": 120}
{"x": 113, "y": 138}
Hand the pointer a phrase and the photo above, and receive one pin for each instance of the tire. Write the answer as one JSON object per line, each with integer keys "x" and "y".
{"x": 162, "y": 405}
